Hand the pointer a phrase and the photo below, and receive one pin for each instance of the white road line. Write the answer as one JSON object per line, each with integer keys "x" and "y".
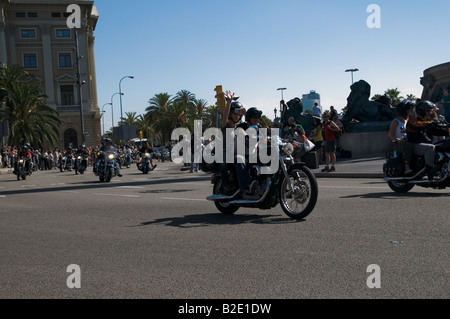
{"x": 116, "y": 195}
{"x": 136, "y": 187}
{"x": 186, "y": 199}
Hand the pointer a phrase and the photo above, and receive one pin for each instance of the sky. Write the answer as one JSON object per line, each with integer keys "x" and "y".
{"x": 254, "y": 47}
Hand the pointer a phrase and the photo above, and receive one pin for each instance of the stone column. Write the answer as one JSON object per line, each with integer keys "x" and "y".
{"x": 92, "y": 73}
{"x": 48, "y": 64}
{"x": 3, "y": 52}
{"x": 11, "y": 34}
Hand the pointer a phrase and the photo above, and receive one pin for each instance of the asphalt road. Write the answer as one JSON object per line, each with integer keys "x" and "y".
{"x": 155, "y": 236}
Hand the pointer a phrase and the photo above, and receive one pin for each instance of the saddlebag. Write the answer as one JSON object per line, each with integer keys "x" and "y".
{"x": 394, "y": 167}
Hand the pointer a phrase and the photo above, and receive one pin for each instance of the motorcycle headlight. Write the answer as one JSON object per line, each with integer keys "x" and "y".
{"x": 111, "y": 156}
{"x": 147, "y": 155}
{"x": 288, "y": 149}
{"x": 63, "y": 158}
{"x": 79, "y": 157}
{"x": 21, "y": 161}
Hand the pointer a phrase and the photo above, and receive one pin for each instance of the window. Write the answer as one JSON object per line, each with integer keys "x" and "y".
{"x": 28, "y": 33}
{"x": 32, "y": 14}
{"x": 63, "y": 33}
{"x": 20, "y": 14}
{"x": 30, "y": 60}
{"x": 56, "y": 15}
{"x": 65, "y": 60}
{"x": 67, "y": 96}
{"x": 67, "y": 14}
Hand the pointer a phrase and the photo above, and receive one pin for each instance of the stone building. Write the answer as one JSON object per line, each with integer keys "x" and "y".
{"x": 434, "y": 81}
{"x": 35, "y": 35}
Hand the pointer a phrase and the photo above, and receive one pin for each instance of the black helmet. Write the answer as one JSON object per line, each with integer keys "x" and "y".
{"x": 252, "y": 112}
{"x": 236, "y": 108}
{"x": 422, "y": 107}
{"x": 403, "y": 107}
{"x": 106, "y": 140}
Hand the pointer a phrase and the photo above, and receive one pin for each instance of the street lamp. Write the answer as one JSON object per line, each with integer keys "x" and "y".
{"x": 281, "y": 89}
{"x": 103, "y": 117}
{"x": 112, "y": 110}
{"x": 352, "y": 71}
{"x": 120, "y": 91}
{"x": 275, "y": 111}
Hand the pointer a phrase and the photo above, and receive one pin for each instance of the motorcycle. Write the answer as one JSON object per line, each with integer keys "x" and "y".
{"x": 66, "y": 162}
{"x": 126, "y": 160}
{"x": 165, "y": 155}
{"x": 145, "y": 165}
{"x": 293, "y": 186}
{"x": 22, "y": 169}
{"x": 105, "y": 167}
{"x": 394, "y": 170}
{"x": 81, "y": 163}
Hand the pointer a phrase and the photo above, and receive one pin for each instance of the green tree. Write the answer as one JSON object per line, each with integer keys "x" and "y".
{"x": 25, "y": 109}
{"x": 394, "y": 94}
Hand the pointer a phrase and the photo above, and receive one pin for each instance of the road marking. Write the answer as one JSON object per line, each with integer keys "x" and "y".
{"x": 116, "y": 195}
{"x": 2, "y": 196}
{"x": 137, "y": 187}
{"x": 354, "y": 187}
{"x": 188, "y": 199}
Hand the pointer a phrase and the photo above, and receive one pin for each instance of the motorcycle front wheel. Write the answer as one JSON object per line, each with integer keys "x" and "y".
{"x": 299, "y": 202}
{"x": 109, "y": 174}
{"x": 223, "y": 207}
{"x": 400, "y": 187}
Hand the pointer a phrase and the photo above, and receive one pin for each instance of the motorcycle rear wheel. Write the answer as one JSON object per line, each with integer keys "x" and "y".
{"x": 224, "y": 207}
{"x": 399, "y": 187}
{"x": 301, "y": 202}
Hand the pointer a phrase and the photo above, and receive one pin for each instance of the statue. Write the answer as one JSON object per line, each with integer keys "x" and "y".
{"x": 360, "y": 108}
{"x": 295, "y": 110}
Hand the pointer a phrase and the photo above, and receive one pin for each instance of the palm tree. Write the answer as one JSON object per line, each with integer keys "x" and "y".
{"x": 185, "y": 97}
{"x": 394, "y": 95}
{"x": 29, "y": 117}
{"x": 129, "y": 119}
{"x": 25, "y": 109}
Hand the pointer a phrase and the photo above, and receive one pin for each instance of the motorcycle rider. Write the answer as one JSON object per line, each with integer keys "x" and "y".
{"x": 231, "y": 116}
{"x": 81, "y": 152}
{"x": 146, "y": 148}
{"x": 108, "y": 146}
{"x": 24, "y": 152}
{"x": 420, "y": 130}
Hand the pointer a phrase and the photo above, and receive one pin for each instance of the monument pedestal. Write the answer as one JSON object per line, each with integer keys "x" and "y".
{"x": 367, "y": 138}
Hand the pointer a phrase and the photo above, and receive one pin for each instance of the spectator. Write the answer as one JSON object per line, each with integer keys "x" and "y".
{"x": 331, "y": 130}
{"x": 317, "y": 137}
{"x": 316, "y": 110}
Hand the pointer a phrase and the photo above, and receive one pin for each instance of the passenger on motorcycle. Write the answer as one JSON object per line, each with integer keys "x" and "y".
{"x": 108, "y": 146}
{"x": 231, "y": 116}
{"x": 398, "y": 135}
{"x": 420, "y": 130}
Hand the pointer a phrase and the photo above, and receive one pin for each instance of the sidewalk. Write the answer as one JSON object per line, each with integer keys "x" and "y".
{"x": 361, "y": 167}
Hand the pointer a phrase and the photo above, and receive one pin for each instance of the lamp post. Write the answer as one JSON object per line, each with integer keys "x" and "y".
{"x": 112, "y": 110}
{"x": 80, "y": 83}
{"x": 103, "y": 117}
{"x": 275, "y": 111}
{"x": 121, "y": 115}
{"x": 352, "y": 71}
{"x": 281, "y": 89}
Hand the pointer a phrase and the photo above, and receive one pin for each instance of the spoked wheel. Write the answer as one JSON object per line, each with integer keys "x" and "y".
{"x": 223, "y": 207}
{"x": 299, "y": 202}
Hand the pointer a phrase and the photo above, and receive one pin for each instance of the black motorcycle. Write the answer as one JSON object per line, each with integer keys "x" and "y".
{"x": 81, "y": 163}
{"x": 394, "y": 170}
{"x": 66, "y": 162}
{"x": 293, "y": 186}
{"x": 105, "y": 166}
{"x": 145, "y": 165}
{"x": 24, "y": 168}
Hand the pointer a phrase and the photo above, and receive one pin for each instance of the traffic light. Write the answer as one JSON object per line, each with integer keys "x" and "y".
{"x": 141, "y": 135}
{"x": 220, "y": 96}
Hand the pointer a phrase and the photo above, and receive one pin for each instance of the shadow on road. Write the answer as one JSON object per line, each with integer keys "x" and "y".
{"x": 205, "y": 220}
{"x": 393, "y": 195}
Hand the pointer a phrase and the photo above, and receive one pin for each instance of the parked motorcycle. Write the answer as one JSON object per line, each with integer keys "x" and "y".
{"x": 105, "y": 167}
{"x": 145, "y": 165}
{"x": 22, "y": 169}
{"x": 293, "y": 186}
{"x": 81, "y": 163}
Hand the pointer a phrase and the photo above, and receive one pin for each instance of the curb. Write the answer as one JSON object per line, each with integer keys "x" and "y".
{"x": 5, "y": 171}
{"x": 349, "y": 175}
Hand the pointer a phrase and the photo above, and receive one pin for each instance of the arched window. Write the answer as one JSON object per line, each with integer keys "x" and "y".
{"x": 70, "y": 138}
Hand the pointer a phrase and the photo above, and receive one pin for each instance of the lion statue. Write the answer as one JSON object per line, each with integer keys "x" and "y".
{"x": 360, "y": 108}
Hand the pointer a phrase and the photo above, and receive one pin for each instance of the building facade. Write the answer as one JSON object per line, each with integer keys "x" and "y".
{"x": 309, "y": 99}
{"x": 35, "y": 35}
